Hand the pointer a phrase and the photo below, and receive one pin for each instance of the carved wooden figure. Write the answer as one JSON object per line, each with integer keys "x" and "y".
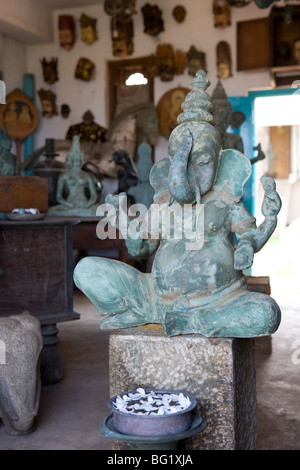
{"x": 50, "y": 70}
{"x": 88, "y": 26}
{"x": 48, "y": 102}
{"x": 67, "y": 36}
{"x": 153, "y": 21}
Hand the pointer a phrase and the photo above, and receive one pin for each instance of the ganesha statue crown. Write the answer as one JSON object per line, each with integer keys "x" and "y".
{"x": 196, "y": 284}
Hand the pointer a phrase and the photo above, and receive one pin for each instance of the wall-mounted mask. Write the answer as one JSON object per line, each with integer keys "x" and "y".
{"x": 48, "y": 102}
{"x": 221, "y": 12}
{"x": 196, "y": 60}
{"x": 122, "y": 37}
{"x": 66, "y": 26}
{"x": 121, "y": 9}
{"x": 179, "y": 13}
{"x": 88, "y": 29}
{"x": 153, "y": 22}
{"x": 65, "y": 111}
{"x": 167, "y": 63}
{"x": 84, "y": 69}
{"x": 50, "y": 72}
{"x": 223, "y": 60}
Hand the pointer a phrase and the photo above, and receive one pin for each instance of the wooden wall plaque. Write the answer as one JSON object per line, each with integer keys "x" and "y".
{"x": 253, "y": 44}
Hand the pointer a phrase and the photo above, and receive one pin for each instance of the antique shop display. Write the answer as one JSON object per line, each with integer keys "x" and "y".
{"x": 48, "y": 103}
{"x": 168, "y": 108}
{"x": 19, "y": 117}
{"x": 66, "y": 27}
{"x": 223, "y": 60}
{"x": 50, "y": 168}
{"x": 20, "y": 381}
{"x": 84, "y": 69}
{"x": 167, "y": 62}
{"x": 65, "y": 110}
{"x": 196, "y": 284}
{"x": 153, "y": 21}
{"x": 8, "y": 161}
{"x": 78, "y": 191}
{"x": 196, "y": 60}
{"x": 50, "y": 70}
{"x": 88, "y": 130}
{"x": 143, "y": 192}
{"x": 88, "y": 26}
{"x": 222, "y": 17}
{"x": 179, "y": 13}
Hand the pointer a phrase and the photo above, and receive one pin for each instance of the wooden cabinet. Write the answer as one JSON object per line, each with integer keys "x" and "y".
{"x": 268, "y": 43}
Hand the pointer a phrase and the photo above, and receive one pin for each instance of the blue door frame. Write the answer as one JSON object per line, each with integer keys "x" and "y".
{"x": 249, "y": 133}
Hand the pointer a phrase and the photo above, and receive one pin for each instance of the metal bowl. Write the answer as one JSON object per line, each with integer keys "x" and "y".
{"x": 152, "y": 425}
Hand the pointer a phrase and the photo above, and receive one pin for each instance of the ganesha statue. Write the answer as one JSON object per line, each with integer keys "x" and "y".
{"x": 196, "y": 284}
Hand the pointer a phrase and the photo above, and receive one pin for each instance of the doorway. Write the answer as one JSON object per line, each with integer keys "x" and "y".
{"x": 276, "y": 125}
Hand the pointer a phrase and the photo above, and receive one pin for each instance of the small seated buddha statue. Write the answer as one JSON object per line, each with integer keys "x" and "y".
{"x": 77, "y": 190}
{"x": 196, "y": 284}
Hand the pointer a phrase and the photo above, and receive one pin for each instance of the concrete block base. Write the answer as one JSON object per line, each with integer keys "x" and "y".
{"x": 219, "y": 372}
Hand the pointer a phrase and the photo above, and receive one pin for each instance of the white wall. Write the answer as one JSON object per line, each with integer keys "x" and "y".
{"x": 197, "y": 30}
{"x": 12, "y": 62}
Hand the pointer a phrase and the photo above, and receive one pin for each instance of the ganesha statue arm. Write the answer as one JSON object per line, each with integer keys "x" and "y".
{"x": 252, "y": 239}
{"x": 135, "y": 231}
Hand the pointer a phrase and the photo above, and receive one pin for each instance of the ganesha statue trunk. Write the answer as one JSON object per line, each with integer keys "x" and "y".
{"x": 196, "y": 284}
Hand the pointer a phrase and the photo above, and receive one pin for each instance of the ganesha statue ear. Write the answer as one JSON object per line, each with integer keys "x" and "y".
{"x": 234, "y": 169}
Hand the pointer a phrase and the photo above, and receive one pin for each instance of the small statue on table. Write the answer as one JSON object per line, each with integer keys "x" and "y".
{"x": 77, "y": 190}
{"x": 8, "y": 161}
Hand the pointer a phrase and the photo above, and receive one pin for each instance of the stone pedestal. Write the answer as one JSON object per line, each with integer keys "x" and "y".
{"x": 219, "y": 372}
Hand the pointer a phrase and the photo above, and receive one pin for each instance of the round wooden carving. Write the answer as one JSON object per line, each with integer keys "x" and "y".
{"x": 18, "y": 116}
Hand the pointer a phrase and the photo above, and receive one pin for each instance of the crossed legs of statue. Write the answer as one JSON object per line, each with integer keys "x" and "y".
{"x": 128, "y": 298}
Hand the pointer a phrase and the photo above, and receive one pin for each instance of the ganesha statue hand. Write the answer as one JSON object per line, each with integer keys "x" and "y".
{"x": 196, "y": 284}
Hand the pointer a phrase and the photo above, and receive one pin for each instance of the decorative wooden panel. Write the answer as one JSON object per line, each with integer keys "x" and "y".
{"x": 253, "y": 44}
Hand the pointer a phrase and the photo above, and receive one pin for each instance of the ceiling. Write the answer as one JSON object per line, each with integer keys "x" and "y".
{"x": 53, "y": 4}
